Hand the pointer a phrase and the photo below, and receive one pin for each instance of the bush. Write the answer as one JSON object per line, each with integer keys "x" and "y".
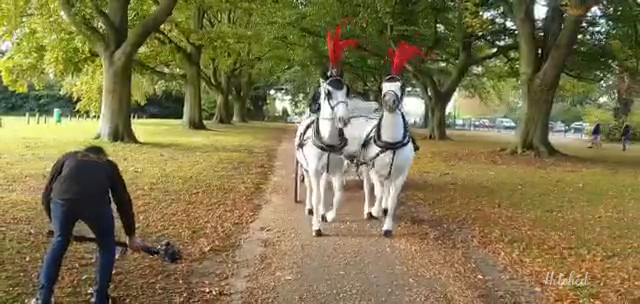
{"x": 37, "y": 101}
{"x": 613, "y": 132}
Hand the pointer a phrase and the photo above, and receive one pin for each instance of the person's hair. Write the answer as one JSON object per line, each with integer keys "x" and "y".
{"x": 95, "y": 150}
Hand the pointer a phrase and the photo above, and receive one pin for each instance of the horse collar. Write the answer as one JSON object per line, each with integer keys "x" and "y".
{"x": 325, "y": 147}
{"x": 396, "y": 145}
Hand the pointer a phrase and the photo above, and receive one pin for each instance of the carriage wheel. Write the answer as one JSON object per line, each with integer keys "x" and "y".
{"x": 296, "y": 182}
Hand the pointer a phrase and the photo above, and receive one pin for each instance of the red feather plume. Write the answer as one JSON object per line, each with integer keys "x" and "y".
{"x": 401, "y": 55}
{"x": 336, "y": 46}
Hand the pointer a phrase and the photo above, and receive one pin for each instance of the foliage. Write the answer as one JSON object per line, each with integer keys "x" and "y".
{"x": 594, "y": 114}
{"x": 43, "y": 101}
{"x": 44, "y": 48}
{"x": 566, "y": 113}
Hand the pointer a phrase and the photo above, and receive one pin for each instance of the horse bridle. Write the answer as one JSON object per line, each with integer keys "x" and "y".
{"x": 398, "y": 97}
{"x": 327, "y": 96}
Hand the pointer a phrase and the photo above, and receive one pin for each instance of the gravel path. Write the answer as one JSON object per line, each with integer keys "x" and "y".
{"x": 280, "y": 262}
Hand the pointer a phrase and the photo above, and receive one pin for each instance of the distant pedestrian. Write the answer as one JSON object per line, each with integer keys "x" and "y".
{"x": 626, "y": 136}
{"x": 595, "y": 136}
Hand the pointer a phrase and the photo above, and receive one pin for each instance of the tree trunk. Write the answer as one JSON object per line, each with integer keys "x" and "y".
{"x": 115, "y": 121}
{"x": 223, "y": 112}
{"x": 192, "y": 111}
{"x": 222, "y": 115}
{"x": 258, "y": 99}
{"x": 624, "y": 101}
{"x": 117, "y": 48}
{"x": 239, "y": 98}
{"x": 437, "y": 119}
{"x": 239, "y": 109}
{"x": 533, "y": 133}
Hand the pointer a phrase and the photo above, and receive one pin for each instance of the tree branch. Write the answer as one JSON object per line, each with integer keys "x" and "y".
{"x": 162, "y": 74}
{"x": 551, "y": 27}
{"x": 456, "y": 77}
{"x": 559, "y": 52}
{"x": 141, "y": 32}
{"x": 88, "y": 31}
{"x": 172, "y": 42}
{"x": 501, "y": 50}
{"x": 523, "y": 13}
{"x": 111, "y": 30}
{"x": 582, "y": 78}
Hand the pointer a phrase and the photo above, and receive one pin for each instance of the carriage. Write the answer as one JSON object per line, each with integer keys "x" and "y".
{"x": 359, "y": 109}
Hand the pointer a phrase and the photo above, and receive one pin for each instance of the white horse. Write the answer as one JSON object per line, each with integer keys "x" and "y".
{"x": 387, "y": 154}
{"x": 319, "y": 143}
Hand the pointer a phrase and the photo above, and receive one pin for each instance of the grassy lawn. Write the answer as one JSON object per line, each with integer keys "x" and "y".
{"x": 578, "y": 213}
{"x": 197, "y": 189}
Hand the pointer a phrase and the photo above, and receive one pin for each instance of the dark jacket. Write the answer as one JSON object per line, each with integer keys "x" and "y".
{"x": 626, "y": 131}
{"x": 81, "y": 178}
{"x": 596, "y": 130}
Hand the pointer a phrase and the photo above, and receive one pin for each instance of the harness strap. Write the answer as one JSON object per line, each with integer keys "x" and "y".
{"x": 393, "y": 159}
{"x": 316, "y": 139}
{"x": 374, "y": 136}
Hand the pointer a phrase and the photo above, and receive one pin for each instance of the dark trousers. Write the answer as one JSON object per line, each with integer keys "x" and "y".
{"x": 64, "y": 216}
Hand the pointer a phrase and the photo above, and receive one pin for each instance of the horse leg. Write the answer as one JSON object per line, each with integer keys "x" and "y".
{"x": 336, "y": 181}
{"x": 378, "y": 190}
{"x": 366, "y": 184}
{"x": 314, "y": 178}
{"x": 323, "y": 197}
{"x": 307, "y": 185}
{"x": 392, "y": 201}
{"x": 386, "y": 186}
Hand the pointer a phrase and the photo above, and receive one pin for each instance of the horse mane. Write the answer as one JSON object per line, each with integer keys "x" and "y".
{"x": 336, "y": 83}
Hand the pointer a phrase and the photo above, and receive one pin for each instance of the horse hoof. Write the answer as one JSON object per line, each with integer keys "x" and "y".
{"x": 317, "y": 233}
{"x": 323, "y": 218}
{"x": 369, "y": 216}
{"x": 386, "y": 233}
{"x": 310, "y": 212}
{"x": 385, "y": 211}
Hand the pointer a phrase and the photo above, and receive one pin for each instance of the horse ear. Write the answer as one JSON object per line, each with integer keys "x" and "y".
{"x": 324, "y": 73}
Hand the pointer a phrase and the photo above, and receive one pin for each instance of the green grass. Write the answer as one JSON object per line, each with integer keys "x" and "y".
{"x": 577, "y": 213}
{"x": 198, "y": 189}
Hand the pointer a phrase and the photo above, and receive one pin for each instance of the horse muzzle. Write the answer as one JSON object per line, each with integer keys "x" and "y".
{"x": 390, "y": 101}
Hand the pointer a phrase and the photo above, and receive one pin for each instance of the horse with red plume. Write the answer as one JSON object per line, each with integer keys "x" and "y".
{"x": 320, "y": 140}
{"x": 389, "y": 149}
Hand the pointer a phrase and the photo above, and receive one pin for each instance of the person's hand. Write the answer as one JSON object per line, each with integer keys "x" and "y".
{"x": 135, "y": 244}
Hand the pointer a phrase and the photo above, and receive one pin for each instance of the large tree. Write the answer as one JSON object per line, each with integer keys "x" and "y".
{"x": 542, "y": 61}
{"x": 464, "y": 34}
{"x": 175, "y": 54}
{"x": 624, "y": 41}
{"x": 117, "y": 46}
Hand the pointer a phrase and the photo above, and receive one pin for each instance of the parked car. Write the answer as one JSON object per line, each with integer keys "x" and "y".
{"x": 483, "y": 124}
{"x": 557, "y": 126}
{"x": 578, "y": 127}
{"x": 505, "y": 124}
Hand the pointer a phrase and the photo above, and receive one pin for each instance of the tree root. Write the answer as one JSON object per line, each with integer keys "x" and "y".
{"x": 538, "y": 151}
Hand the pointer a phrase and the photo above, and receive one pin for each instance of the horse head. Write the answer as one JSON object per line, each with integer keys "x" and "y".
{"x": 334, "y": 95}
{"x": 392, "y": 93}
